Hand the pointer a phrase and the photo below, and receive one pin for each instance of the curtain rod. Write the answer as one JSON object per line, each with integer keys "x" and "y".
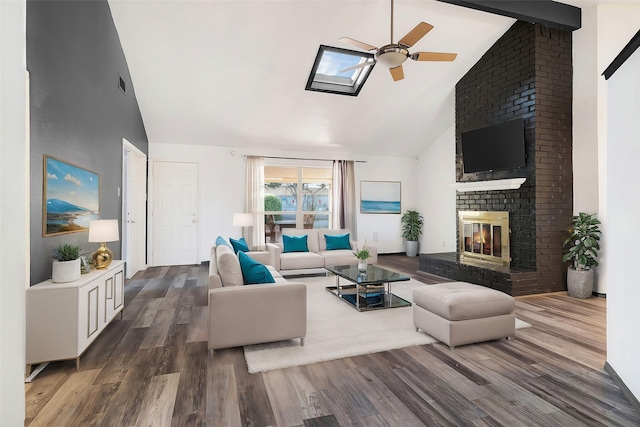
{"x": 300, "y": 158}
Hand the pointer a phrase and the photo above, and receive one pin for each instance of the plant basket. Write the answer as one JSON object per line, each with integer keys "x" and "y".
{"x": 580, "y": 283}
{"x": 411, "y": 247}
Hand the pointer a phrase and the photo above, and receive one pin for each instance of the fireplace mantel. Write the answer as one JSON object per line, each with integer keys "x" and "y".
{"x": 497, "y": 184}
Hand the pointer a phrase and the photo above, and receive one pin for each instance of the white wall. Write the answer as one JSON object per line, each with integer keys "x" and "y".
{"x": 585, "y": 114}
{"x": 623, "y": 207}
{"x": 606, "y": 29}
{"x": 14, "y": 211}
{"x": 387, "y": 226}
{"x": 222, "y": 176}
{"x": 437, "y": 199}
{"x": 221, "y": 187}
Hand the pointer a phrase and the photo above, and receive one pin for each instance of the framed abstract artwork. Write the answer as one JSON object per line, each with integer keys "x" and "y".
{"x": 380, "y": 197}
{"x": 70, "y": 197}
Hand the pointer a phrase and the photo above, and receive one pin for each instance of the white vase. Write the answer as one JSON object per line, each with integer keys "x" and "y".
{"x": 65, "y": 271}
{"x": 362, "y": 264}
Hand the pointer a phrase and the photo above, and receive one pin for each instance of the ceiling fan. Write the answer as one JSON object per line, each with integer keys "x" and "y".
{"x": 393, "y": 55}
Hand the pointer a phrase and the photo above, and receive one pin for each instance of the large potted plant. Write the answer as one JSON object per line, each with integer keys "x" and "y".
{"x": 411, "y": 230}
{"x": 583, "y": 251}
{"x": 66, "y": 265}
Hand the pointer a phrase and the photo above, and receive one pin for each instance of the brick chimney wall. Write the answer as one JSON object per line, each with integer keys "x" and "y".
{"x": 528, "y": 74}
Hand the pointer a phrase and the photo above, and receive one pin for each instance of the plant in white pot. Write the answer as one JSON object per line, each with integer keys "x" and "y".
{"x": 411, "y": 230}
{"x": 66, "y": 266}
{"x": 362, "y": 255}
{"x": 583, "y": 251}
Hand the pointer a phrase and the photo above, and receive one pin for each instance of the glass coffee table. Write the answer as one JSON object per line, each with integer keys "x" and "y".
{"x": 367, "y": 290}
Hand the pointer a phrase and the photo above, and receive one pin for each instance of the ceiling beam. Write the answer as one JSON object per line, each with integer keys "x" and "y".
{"x": 624, "y": 54}
{"x": 545, "y": 12}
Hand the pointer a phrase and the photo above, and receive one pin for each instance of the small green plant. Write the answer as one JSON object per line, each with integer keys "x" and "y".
{"x": 583, "y": 242}
{"x": 362, "y": 253}
{"x": 66, "y": 252}
{"x": 411, "y": 225}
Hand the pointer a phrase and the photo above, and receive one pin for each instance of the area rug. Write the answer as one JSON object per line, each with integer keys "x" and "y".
{"x": 336, "y": 330}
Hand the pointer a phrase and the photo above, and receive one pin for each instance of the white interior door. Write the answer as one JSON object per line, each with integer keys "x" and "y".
{"x": 175, "y": 213}
{"x": 134, "y": 231}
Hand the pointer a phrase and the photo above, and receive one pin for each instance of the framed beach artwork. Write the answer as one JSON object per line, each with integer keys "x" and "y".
{"x": 70, "y": 197}
{"x": 380, "y": 197}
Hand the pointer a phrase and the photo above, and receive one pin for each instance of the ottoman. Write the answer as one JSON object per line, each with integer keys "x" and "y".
{"x": 460, "y": 313}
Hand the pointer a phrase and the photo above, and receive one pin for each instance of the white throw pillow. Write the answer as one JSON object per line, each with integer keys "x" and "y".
{"x": 229, "y": 267}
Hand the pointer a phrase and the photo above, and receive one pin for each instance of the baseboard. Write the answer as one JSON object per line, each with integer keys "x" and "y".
{"x": 623, "y": 387}
{"x": 599, "y": 295}
{"x": 393, "y": 253}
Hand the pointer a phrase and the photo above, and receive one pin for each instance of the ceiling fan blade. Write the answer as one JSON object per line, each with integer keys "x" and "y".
{"x": 355, "y": 67}
{"x": 416, "y": 34}
{"x": 433, "y": 56}
{"x": 357, "y": 43}
{"x": 397, "y": 73}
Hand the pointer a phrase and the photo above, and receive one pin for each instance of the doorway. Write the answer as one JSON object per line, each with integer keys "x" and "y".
{"x": 134, "y": 208}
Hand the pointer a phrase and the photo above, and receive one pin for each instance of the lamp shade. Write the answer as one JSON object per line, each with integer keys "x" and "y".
{"x": 104, "y": 230}
{"x": 242, "y": 219}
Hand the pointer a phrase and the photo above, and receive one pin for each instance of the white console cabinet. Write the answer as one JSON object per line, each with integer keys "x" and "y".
{"x": 63, "y": 319}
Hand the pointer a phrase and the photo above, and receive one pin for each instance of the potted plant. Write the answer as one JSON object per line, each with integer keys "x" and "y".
{"x": 66, "y": 266}
{"x": 411, "y": 230}
{"x": 583, "y": 251}
{"x": 363, "y": 255}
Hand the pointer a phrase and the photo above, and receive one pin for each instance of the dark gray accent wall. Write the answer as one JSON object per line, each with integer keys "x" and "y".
{"x": 78, "y": 112}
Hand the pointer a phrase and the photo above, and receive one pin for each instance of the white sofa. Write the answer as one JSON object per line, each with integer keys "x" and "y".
{"x": 251, "y": 314}
{"x": 314, "y": 261}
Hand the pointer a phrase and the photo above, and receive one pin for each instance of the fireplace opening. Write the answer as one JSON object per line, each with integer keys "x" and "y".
{"x": 485, "y": 236}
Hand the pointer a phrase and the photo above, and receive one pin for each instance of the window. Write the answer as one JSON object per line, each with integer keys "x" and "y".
{"x": 326, "y": 76}
{"x": 296, "y": 197}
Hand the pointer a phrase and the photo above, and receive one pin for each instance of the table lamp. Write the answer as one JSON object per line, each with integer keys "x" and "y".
{"x": 242, "y": 220}
{"x": 102, "y": 231}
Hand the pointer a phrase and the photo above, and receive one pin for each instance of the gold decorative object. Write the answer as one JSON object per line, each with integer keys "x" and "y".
{"x": 102, "y": 257}
{"x": 103, "y": 230}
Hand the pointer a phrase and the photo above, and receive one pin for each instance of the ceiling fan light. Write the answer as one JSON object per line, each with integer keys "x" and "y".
{"x": 392, "y": 56}
{"x": 392, "y": 59}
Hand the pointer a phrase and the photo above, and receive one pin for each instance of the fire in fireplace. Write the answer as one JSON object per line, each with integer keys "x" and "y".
{"x": 485, "y": 236}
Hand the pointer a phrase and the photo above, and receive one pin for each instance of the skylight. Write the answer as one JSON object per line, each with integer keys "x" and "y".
{"x": 326, "y": 76}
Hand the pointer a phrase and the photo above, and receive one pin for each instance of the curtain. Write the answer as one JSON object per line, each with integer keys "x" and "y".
{"x": 344, "y": 196}
{"x": 254, "y": 202}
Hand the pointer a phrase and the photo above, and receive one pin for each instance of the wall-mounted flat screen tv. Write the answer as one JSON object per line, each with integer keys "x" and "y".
{"x": 494, "y": 147}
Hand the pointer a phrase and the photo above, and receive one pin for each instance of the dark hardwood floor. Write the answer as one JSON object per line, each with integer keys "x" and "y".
{"x": 151, "y": 368}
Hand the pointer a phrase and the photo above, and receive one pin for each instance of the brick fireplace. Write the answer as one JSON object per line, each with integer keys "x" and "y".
{"x": 527, "y": 74}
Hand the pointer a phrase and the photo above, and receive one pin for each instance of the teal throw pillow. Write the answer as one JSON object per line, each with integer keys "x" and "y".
{"x": 252, "y": 271}
{"x": 239, "y": 245}
{"x": 294, "y": 243}
{"x": 337, "y": 241}
{"x": 221, "y": 242}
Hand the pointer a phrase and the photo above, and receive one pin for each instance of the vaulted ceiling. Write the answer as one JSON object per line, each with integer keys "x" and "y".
{"x": 233, "y": 73}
